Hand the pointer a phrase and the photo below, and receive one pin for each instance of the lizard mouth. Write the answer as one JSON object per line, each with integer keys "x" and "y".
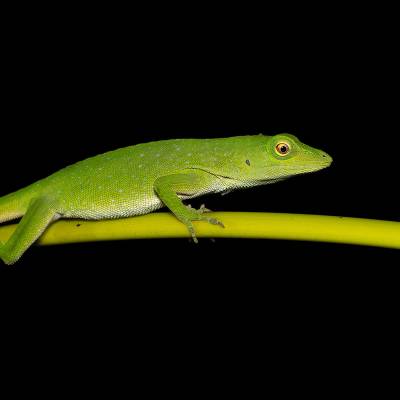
{"x": 280, "y": 172}
{"x": 308, "y": 167}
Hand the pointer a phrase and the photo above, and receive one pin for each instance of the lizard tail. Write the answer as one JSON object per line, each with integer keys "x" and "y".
{"x": 12, "y": 206}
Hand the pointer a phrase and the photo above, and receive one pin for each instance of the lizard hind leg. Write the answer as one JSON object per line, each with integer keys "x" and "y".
{"x": 40, "y": 213}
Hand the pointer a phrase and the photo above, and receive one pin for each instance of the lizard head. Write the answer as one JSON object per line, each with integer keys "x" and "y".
{"x": 244, "y": 161}
{"x": 288, "y": 156}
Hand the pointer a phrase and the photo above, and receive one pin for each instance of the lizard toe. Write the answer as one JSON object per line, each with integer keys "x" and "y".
{"x": 214, "y": 221}
{"x": 203, "y": 209}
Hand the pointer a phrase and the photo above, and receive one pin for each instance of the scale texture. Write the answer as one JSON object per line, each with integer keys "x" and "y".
{"x": 142, "y": 178}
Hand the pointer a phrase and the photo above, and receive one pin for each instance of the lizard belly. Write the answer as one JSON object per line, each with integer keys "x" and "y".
{"x": 103, "y": 197}
{"x": 103, "y": 206}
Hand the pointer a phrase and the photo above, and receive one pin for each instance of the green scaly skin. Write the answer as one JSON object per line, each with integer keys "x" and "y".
{"x": 140, "y": 179}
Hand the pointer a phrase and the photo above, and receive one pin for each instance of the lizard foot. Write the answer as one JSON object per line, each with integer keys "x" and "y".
{"x": 197, "y": 215}
{"x": 213, "y": 221}
{"x": 201, "y": 210}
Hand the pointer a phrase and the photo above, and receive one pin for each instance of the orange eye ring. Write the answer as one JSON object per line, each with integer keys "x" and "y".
{"x": 282, "y": 148}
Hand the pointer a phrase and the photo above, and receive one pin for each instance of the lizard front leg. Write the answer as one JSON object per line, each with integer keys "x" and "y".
{"x": 168, "y": 189}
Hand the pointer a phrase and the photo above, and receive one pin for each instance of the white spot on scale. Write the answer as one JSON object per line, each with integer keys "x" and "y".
{"x": 189, "y": 154}
{"x": 141, "y": 155}
{"x": 140, "y": 165}
{"x": 100, "y": 168}
{"x": 158, "y": 155}
{"x": 120, "y": 190}
{"x": 100, "y": 187}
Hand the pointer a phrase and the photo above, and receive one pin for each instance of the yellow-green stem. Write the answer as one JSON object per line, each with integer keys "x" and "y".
{"x": 237, "y": 225}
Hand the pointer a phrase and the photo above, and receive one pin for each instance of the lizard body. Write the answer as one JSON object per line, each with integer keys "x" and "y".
{"x": 142, "y": 178}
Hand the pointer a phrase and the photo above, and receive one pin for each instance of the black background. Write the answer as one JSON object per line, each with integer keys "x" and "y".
{"x": 73, "y": 89}
{"x": 75, "y": 94}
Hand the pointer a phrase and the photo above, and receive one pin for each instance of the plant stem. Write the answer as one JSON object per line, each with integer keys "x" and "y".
{"x": 237, "y": 225}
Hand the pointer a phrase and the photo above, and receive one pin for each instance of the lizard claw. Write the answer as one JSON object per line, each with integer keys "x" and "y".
{"x": 203, "y": 209}
{"x": 214, "y": 221}
{"x": 193, "y": 234}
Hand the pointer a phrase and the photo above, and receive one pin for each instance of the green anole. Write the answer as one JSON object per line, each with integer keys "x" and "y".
{"x": 139, "y": 179}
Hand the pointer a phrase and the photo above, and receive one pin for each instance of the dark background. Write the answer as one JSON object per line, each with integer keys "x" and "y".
{"x": 70, "y": 92}
{"x": 75, "y": 85}
{"x": 76, "y": 93}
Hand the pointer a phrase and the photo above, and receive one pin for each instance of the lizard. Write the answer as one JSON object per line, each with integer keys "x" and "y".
{"x": 142, "y": 178}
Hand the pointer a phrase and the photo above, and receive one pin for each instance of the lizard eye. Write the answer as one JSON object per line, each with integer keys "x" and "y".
{"x": 282, "y": 148}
